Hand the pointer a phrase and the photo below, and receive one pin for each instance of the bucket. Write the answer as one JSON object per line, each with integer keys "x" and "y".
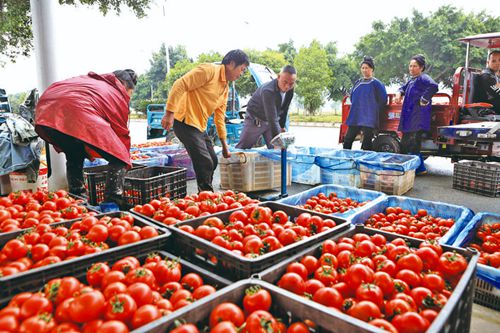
{"x": 19, "y": 181}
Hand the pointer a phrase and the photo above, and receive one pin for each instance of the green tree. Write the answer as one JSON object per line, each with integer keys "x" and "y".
{"x": 15, "y": 100}
{"x": 435, "y": 36}
{"x": 176, "y": 54}
{"x": 275, "y": 60}
{"x": 288, "y": 50}
{"x": 313, "y": 76}
{"x": 16, "y": 36}
{"x": 343, "y": 72}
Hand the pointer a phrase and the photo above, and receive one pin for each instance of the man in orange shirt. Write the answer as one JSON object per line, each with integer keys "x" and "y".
{"x": 192, "y": 100}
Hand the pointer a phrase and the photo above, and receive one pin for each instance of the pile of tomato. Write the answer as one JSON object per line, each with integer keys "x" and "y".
{"x": 401, "y": 221}
{"x": 255, "y": 230}
{"x": 116, "y": 298}
{"x": 255, "y": 316}
{"x": 487, "y": 242}
{"x": 23, "y": 209}
{"x": 137, "y": 156}
{"x": 331, "y": 204}
{"x": 44, "y": 244}
{"x": 172, "y": 211}
{"x": 387, "y": 284}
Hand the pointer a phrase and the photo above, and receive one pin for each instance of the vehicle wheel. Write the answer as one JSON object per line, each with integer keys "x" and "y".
{"x": 387, "y": 144}
{"x": 155, "y": 133}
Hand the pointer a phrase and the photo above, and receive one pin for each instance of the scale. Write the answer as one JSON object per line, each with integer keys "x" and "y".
{"x": 282, "y": 141}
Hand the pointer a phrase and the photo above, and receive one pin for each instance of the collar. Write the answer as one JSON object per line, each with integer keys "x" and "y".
{"x": 222, "y": 76}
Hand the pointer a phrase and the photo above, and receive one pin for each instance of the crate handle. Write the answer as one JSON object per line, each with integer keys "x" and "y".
{"x": 239, "y": 153}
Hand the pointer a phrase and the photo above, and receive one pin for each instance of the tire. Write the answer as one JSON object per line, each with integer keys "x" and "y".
{"x": 386, "y": 144}
{"x": 155, "y": 133}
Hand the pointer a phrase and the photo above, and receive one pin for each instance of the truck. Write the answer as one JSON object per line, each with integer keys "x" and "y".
{"x": 4, "y": 101}
{"x": 235, "y": 113}
{"x": 461, "y": 126}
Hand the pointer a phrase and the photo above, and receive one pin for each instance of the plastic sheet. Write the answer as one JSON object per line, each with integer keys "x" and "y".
{"x": 342, "y": 192}
{"x": 461, "y": 215}
{"x": 486, "y": 273}
{"x": 180, "y": 158}
{"x": 339, "y": 166}
{"x": 389, "y": 162}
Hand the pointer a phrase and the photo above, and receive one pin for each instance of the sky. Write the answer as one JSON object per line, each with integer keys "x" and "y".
{"x": 87, "y": 41}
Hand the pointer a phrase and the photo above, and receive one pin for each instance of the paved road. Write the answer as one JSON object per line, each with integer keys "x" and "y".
{"x": 435, "y": 186}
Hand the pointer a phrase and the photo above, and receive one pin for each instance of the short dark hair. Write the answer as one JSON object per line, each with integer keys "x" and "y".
{"x": 237, "y": 56}
{"x": 289, "y": 69}
{"x": 493, "y": 52}
{"x": 420, "y": 59}
{"x": 127, "y": 77}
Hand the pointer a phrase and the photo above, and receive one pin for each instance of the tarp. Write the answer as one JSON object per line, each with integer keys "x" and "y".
{"x": 389, "y": 162}
{"x": 486, "y": 273}
{"x": 343, "y": 192}
{"x": 461, "y": 215}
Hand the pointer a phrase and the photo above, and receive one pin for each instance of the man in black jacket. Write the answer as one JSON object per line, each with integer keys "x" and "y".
{"x": 489, "y": 82}
{"x": 267, "y": 109}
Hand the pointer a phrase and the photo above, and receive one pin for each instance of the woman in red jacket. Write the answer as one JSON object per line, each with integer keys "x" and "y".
{"x": 87, "y": 116}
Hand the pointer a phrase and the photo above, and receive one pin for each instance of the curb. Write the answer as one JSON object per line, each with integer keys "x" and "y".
{"x": 314, "y": 124}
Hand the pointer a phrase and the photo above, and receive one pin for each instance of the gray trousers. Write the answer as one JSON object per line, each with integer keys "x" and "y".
{"x": 251, "y": 133}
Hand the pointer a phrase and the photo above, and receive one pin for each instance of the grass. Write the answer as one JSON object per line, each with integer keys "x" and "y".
{"x": 320, "y": 118}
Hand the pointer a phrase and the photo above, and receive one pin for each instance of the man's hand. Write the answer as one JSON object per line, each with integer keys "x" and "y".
{"x": 168, "y": 120}
{"x": 225, "y": 149}
{"x": 283, "y": 130}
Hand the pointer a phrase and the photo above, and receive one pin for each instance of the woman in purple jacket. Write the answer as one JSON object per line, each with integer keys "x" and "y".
{"x": 416, "y": 111}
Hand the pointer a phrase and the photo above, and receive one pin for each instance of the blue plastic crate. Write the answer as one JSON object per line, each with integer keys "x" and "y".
{"x": 461, "y": 215}
{"x": 339, "y": 167}
{"x": 342, "y": 192}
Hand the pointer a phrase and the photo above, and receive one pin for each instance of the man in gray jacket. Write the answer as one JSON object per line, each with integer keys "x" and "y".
{"x": 267, "y": 109}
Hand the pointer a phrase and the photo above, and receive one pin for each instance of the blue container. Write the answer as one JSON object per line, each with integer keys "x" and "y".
{"x": 461, "y": 215}
{"x": 486, "y": 273}
{"x": 342, "y": 192}
{"x": 339, "y": 166}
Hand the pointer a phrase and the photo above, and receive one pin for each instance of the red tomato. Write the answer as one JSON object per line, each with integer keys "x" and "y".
{"x": 256, "y": 299}
{"x": 227, "y": 311}
{"x": 410, "y": 322}
{"x": 87, "y": 306}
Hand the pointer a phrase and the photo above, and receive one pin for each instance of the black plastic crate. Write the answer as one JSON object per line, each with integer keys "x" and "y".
{"x": 477, "y": 177}
{"x": 285, "y": 306}
{"x": 145, "y": 184}
{"x": 455, "y": 315}
{"x": 95, "y": 180}
{"x": 37, "y": 277}
{"x": 236, "y": 267}
{"x": 187, "y": 267}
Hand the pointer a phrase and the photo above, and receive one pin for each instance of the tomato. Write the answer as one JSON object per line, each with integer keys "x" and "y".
{"x": 186, "y": 328}
{"x": 428, "y": 256}
{"x": 452, "y": 264}
{"x": 148, "y": 232}
{"x": 292, "y": 282}
{"x": 365, "y": 248}
{"x": 434, "y": 282}
{"x": 326, "y": 274}
{"x": 87, "y": 306}
{"x": 129, "y": 237}
{"x": 384, "y": 325}
{"x": 410, "y": 261}
{"x": 330, "y": 297}
{"x": 410, "y": 322}
{"x": 310, "y": 262}
{"x": 410, "y": 277}
{"x": 280, "y": 217}
{"x": 261, "y": 322}
{"x": 298, "y": 328}
{"x": 224, "y": 327}
{"x": 203, "y": 291}
{"x": 141, "y": 293}
{"x": 357, "y": 274}
{"x": 9, "y": 323}
{"x": 227, "y": 311}
{"x": 120, "y": 307}
{"x": 397, "y": 306}
{"x": 191, "y": 281}
{"x": 256, "y": 299}
{"x": 365, "y": 310}
{"x": 145, "y": 314}
{"x": 370, "y": 292}
{"x": 298, "y": 268}
{"x": 429, "y": 314}
{"x": 112, "y": 326}
{"x": 35, "y": 304}
{"x": 15, "y": 249}
{"x": 41, "y": 323}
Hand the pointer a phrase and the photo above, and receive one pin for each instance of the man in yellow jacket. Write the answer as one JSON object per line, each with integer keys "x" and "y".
{"x": 192, "y": 100}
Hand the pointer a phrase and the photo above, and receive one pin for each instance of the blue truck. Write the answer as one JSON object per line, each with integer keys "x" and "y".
{"x": 234, "y": 113}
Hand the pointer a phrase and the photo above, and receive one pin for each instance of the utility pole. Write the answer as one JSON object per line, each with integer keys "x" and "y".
{"x": 167, "y": 55}
{"x": 42, "y": 12}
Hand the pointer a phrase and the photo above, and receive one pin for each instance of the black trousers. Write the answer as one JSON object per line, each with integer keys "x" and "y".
{"x": 201, "y": 151}
{"x": 352, "y": 131}
{"x": 411, "y": 142}
{"x": 76, "y": 154}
